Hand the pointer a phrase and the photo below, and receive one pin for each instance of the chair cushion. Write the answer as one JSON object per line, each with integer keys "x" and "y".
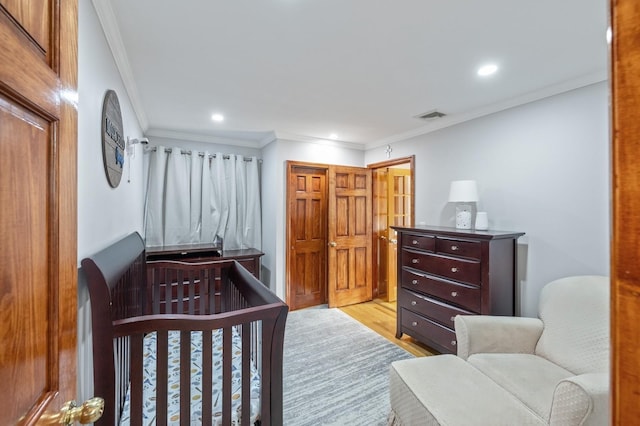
{"x": 446, "y": 390}
{"x": 575, "y": 313}
{"x": 532, "y": 379}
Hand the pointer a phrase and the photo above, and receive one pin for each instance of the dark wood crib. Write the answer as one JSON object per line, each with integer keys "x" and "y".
{"x": 132, "y": 300}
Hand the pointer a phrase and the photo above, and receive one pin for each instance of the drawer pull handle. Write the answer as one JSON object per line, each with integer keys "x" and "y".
{"x": 454, "y": 248}
{"x": 414, "y": 323}
{"x": 414, "y": 282}
{"x": 414, "y": 303}
{"x": 414, "y": 260}
{"x": 454, "y": 269}
{"x": 414, "y": 242}
{"x": 454, "y": 293}
{"x": 453, "y": 343}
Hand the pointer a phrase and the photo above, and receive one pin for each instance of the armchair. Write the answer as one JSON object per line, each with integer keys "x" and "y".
{"x": 551, "y": 370}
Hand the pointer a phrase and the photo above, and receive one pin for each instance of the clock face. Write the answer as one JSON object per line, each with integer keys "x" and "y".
{"x": 112, "y": 139}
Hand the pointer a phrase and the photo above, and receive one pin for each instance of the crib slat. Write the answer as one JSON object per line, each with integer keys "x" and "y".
{"x": 246, "y": 373}
{"x": 218, "y": 292}
{"x": 185, "y": 377}
{"x": 226, "y": 375}
{"x": 136, "y": 379}
{"x": 180, "y": 293}
{"x": 204, "y": 292}
{"x": 207, "y": 378}
{"x": 162, "y": 369}
{"x": 192, "y": 293}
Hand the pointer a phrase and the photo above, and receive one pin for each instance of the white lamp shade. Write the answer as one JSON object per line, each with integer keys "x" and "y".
{"x": 463, "y": 191}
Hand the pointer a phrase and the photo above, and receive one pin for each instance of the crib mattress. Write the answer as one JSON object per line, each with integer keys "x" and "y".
{"x": 173, "y": 381}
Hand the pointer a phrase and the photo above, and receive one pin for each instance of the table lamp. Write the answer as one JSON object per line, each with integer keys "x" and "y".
{"x": 463, "y": 192}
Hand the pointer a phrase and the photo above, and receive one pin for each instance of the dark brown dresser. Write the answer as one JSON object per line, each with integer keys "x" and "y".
{"x": 444, "y": 272}
{"x": 249, "y": 258}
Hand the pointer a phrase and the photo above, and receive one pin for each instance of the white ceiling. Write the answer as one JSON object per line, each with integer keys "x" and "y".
{"x": 361, "y": 69}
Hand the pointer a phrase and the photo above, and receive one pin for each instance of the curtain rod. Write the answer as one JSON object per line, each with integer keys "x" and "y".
{"x": 201, "y": 154}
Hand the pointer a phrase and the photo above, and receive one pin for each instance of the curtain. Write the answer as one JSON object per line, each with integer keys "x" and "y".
{"x": 191, "y": 198}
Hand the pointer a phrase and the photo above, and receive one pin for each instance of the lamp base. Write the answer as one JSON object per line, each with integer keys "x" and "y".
{"x": 463, "y": 216}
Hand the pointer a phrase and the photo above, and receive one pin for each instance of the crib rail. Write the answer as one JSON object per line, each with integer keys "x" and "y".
{"x": 167, "y": 296}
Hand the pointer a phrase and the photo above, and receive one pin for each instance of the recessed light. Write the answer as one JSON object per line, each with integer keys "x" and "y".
{"x": 217, "y": 118}
{"x": 487, "y": 70}
{"x": 333, "y": 136}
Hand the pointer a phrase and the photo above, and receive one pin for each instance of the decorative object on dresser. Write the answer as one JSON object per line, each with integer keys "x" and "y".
{"x": 444, "y": 272}
{"x": 463, "y": 192}
{"x": 482, "y": 221}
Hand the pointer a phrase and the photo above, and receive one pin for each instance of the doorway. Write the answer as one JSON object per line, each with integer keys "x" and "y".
{"x": 329, "y": 233}
{"x": 393, "y": 205}
{"x": 340, "y": 247}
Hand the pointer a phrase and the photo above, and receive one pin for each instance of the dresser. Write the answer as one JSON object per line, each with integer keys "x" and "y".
{"x": 249, "y": 258}
{"x": 444, "y": 272}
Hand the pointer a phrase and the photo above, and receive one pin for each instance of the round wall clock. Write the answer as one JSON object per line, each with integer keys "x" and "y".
{"x": 113, "y": 144}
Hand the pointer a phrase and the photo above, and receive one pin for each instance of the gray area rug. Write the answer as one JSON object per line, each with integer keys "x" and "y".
{"x": 336, "y": 370}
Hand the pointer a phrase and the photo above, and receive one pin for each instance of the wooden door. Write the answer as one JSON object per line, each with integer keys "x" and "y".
{"x": 38, "y": 132}
{"x": 393, "y": 203}
{"x": 399, "y": 213}
{"x": 307, "y": 236}
{"x": 350, "y": 225}
{"x": 625, "y": 268}
{"x": 380, "y": 232}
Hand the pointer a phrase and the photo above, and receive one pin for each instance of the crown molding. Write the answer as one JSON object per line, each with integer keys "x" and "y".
{"x": 319, "y": 141}
{"x": 107, "y": 19}
{"x": 448, "y": 121}
{"x": 267, "y": 140}
{"x": 199, "y": 137}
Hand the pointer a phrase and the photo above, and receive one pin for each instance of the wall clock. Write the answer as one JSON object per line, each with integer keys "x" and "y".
{"x": 112, "y": 139}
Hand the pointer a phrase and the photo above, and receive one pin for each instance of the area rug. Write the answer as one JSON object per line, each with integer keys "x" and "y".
{"x": 336, "y": 370}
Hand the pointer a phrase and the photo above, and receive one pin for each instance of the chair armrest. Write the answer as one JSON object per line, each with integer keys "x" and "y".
{"x": 496, "y": 334}
{"x": 581, "y": 400}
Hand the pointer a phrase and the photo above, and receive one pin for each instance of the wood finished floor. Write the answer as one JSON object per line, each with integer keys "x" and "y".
{"x": 380, "y": 316}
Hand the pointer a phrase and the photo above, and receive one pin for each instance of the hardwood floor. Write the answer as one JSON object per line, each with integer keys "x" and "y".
{"x": 380, "y": 316}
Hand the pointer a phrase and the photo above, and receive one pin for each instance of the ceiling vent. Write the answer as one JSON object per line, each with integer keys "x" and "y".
{"x": 430, "y": 115}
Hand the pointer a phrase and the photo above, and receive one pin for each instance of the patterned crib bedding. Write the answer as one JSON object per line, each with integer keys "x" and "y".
{"x": 173, "y": 381}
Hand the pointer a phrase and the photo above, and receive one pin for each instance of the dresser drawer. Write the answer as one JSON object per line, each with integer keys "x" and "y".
{"x": 420, "y": 242}
{"x": 467, "y": 297}
{"x": 424, "y": 329}
{"x": 458, "y": 269}
{"x": 469, "y": 249}
{"x": 430, "y": 308}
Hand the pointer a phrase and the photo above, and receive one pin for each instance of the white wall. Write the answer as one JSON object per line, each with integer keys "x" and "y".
{"x": 274, "y": 182}
{"x": 542, "y": 168}
{"x": 105, "y": 214}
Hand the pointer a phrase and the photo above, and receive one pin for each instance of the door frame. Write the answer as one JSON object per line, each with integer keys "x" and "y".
{"x": 375, "y": 232}
{"x": 625, "y": 220}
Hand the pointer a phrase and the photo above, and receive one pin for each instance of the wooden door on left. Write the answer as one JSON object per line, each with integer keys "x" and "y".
{"x": 306, "y": 235}
{"x": 38, "y": 134}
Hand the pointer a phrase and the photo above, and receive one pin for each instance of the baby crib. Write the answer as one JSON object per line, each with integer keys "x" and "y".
{"x": 183, "y": 343}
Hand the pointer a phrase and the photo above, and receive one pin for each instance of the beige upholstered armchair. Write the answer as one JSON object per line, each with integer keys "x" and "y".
{"x": 551, "y": 370}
